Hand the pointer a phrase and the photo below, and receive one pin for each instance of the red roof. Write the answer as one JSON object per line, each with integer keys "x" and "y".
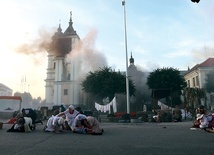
{"x": 207, "y": 63}
{"x": 11, "y": 97}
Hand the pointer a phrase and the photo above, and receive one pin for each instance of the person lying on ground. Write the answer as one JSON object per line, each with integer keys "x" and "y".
{"x": 95, "y": 125}
{"x": 54, "y": 124}
{"x": 86, "y": 124}
{"x": 28, "y": 112}
{"x": 22, "y": 124}
{"x": 80, "y": 124}
{"x": 202, "y": 121}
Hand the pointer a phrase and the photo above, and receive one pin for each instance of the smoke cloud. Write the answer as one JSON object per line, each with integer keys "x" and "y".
{"x": 85, "y": 53}
{"x": 60, "y": 45}
{"x": 57, "y": 45}
{"x": 37, "y": 48}
{"x": 202, "y": 54}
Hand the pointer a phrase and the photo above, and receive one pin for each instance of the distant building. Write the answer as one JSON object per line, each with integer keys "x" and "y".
{"x": 195, "y": 77}
{"x": 5, "y": 91}
{"x": 62, "y": 76}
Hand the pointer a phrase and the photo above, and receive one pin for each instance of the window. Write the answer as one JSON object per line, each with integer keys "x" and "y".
{"x": 188, "y": 83}
{"x": 197, "y": 81}
{"x": 69, "y": 76}
{"x": 65, "y": 91}
{"x": 54, "y": 65}
{"x": 193, "y": 82}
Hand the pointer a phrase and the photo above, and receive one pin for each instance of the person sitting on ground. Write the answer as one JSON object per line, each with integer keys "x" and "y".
{"x": 205, "y": 120}
{"x": 201, "y": 122}
{"x": 211, "y": 125}
{"x": 157, "y": 116}
{"x": 69, "y": 114}
{"x": 54, "y": 124}
{"x": 177, "y": 114}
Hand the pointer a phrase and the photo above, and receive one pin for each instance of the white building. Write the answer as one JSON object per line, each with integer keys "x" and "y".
{"x": 62, "y": 76}
{"x": 5, "y": 91}
{"x": 195, "y": 77}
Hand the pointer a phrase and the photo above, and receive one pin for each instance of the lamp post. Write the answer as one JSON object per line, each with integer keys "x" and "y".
{"x": 127, "y": 80}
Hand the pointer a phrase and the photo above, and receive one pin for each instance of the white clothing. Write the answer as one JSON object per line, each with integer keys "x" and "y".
{"x": 204, "y": 122}
{"x": 52, "y": 122}
{"x": 77, "y": 121}
{"x": 107, "y": 107}
{"x": 70, "y": 117}
{"x": 27, "y": 124}
{"x": 49, "y": 124}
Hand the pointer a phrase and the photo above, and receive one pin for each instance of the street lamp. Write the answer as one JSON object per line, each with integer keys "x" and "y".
{"x": 127, "y": 79}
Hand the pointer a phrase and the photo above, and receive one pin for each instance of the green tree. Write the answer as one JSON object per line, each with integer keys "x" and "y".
{"x": 209, "y": 83}
{"x": 166, "y": 82}
{"x": 106, "y": 83}
{"x": 192, "y": 98}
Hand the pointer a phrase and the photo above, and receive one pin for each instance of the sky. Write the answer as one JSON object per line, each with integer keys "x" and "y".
{"x": 160, "y": 33}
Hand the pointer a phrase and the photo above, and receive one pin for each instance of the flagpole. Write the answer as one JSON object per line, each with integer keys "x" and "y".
{"x": 127, "y": 80}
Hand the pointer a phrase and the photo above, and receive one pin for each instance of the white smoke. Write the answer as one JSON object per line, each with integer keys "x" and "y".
{"x": 85, "y": 53}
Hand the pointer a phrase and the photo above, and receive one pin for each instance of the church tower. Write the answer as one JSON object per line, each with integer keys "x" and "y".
{"x": 131, "y": 60}
{"x": 61, "y": 82}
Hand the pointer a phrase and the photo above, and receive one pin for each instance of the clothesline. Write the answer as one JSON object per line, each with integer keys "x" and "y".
{"x": 107, "y": 107}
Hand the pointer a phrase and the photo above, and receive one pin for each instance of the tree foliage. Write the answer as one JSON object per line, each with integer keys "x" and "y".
{"x": 106, "y": 83}
{"x": 166, "y": 83}
{"x": 192, "y": 98}
{"x": 209, "y": 83}
{"x": 166, "y": 78}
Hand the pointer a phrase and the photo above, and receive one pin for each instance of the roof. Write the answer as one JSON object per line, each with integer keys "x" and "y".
{"x": 70, "y": 29}
{"x": 207, "y": 63}
{"x": 4, "y": 86}
{"x": 11, "y": 97}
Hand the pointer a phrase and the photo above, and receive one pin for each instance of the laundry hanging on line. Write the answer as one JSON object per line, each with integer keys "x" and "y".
{"x": 107, "y": 107}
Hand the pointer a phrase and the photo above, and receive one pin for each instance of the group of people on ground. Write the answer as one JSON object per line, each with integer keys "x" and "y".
{"x": 24, "y": 121}
{"x": 167, "y": 116}
{"x": 73, "y": 119}
{"x": 65, "y": 119}
{"x": 204, "y": 119}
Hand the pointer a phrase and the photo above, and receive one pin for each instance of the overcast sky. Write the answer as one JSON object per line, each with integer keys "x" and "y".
{"x": 160, "y": 33}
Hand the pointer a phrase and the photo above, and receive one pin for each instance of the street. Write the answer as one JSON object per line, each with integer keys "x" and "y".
{"x": 118, "y": 138}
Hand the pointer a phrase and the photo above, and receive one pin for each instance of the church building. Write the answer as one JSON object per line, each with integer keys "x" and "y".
{"x": 61, "y": 83}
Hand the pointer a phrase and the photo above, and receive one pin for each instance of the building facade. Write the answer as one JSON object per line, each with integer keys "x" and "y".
{"x": 5, "y": 91}
{"x": 195, "y": 77}
{"x": 62, "y": 76}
